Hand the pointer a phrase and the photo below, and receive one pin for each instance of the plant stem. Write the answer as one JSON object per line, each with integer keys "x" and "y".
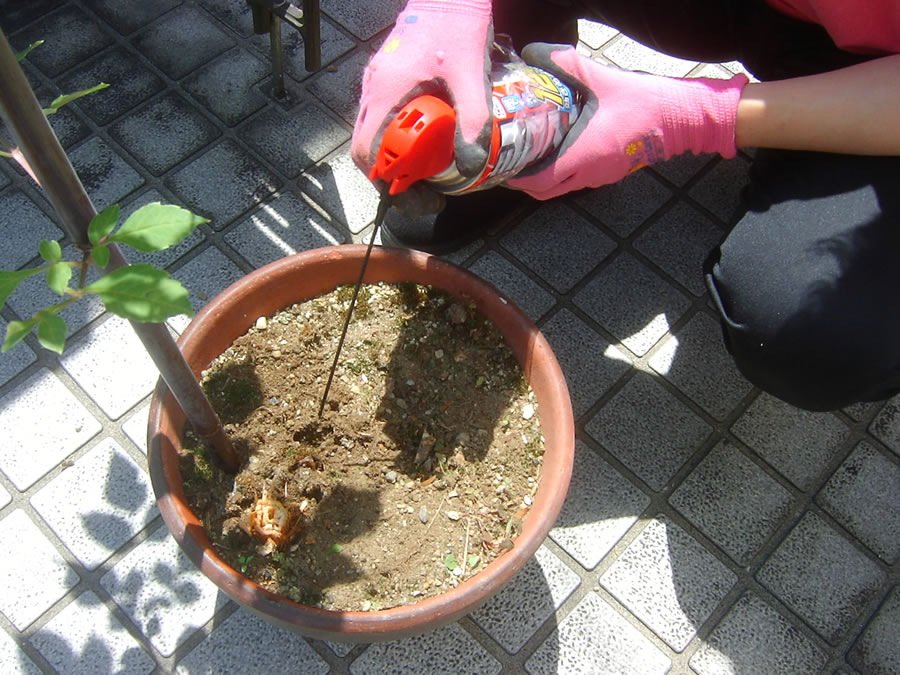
{"x": 24, "y": 117}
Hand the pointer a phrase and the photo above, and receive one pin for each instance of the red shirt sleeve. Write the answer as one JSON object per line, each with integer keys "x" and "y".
{"x": 862, "y": 26}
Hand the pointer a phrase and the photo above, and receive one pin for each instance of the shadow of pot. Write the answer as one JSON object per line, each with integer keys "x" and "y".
{"x": 307, "y": 275}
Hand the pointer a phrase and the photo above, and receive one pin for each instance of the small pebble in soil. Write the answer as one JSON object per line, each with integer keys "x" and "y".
{"x": 453, "y": 515}
{"x": 423, "y": 513}
{"x": 391, "y": 476}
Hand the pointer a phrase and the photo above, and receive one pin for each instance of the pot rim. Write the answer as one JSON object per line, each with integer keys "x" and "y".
{"x": 320, "y": 271}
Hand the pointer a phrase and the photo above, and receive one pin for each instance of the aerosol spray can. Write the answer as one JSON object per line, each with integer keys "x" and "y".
{"x": 532, "y": 109}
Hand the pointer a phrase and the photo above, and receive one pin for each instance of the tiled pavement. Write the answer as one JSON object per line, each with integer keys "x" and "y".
{"x": 709, "y": 528}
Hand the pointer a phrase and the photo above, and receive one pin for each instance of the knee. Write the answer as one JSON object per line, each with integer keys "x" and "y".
{"x": 808, "y": 353}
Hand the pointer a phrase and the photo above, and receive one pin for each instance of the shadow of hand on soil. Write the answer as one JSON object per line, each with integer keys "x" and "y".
{"x": 447, "y": 389}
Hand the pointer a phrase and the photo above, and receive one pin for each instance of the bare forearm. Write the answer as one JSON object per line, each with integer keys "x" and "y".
{"x": 854, "y": 110}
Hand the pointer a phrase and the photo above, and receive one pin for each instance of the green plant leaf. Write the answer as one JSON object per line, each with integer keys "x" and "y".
{"x": 50, "y": 250}
{"x": 51, "y": 333}
{"x": 156, "y": 227}
{"x": 473, "y": 561}
{"x": 58, "y": 277}
{"x": 16, "y": 332}
{"x": 9, "y": 280}
{"x": 450, "y": 562}
{"x": 141, "y": 293}
{"x": 65, "y": 99}
{"x": 100, "y": 255}
{"x": 103, "y": 223}
{"x": 25, "y": 52}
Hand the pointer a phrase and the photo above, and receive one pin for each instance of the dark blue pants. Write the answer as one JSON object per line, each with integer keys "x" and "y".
{"x": 807, "y": 282}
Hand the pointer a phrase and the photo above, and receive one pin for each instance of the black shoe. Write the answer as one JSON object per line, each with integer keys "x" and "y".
{"x": 463, "y": 220}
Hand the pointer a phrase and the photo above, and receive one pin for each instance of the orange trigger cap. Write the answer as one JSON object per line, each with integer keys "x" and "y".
{"x": 417, "y": 144}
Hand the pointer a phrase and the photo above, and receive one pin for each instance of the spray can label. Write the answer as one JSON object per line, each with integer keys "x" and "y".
{"x": 533, "y": 111}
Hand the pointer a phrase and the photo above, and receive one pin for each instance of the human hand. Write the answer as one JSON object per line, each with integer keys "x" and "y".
{"x": 629, "y": 120}
{"x": 438, "y": 47}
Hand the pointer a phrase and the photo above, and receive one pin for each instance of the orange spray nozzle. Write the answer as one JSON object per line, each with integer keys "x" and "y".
{"x": 417, "y": 144}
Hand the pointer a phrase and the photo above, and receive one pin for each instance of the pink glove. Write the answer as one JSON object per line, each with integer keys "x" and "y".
{"x": 437, "y": 47}
{"x": 629, "y": 120}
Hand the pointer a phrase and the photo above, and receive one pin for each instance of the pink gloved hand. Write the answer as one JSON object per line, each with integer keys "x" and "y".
{"x": 629, "y": 120}
{"x": 439, "y": 47}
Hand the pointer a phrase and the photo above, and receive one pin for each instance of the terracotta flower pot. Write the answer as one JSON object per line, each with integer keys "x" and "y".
{"x": 306, "y": 275}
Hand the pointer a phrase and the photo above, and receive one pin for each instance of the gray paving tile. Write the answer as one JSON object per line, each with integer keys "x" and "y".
{"x": 861, "y": 411}
{"x": 513, "y": 615}
{"x": 696, "y": 361}
{"x": 70, "y": 36}
{"x": 558, "y": 244}
{"x": 886, "y": 425}
{"x": 798, "y": 443}
{"x": 222, "y": 184}
{"x": 668, "y": 581}
{"x": 205, "y": 277}
{"x": 67, "y": 127}
{"x": 111, "y": 365}
{"x": 106, "y": 177}
{"x": 625, "y": 205}
{"x": 440, "y": 651}
{"x": 632, "y": 303}
{"x": 648, "y": 430}
{"x": 236, "y": 14}
{"x": 733, "y": 502}
{"x": 679, "y": 243}
{"x": 86, "y": 637}
{"x": 14, "y": 659}
{"x": 126, "y": 17}
{"x": 595, "y": 34}
{"x": 862, "y": 496}
{"x": 281, "y": 227}
{"x": 600, "y": 507}
{"x": 258, "y": 646}
{"x": 527, "y": 294}
{"x": 877, "y": 651}
{"x": 720, "y": 189}
{"x": 131, "y": 83}
{"x": 631, "y": 55}
{"x": 339, "y": 86}
{"x": 226, "y": 86}
{"x": 681, "y": 169}
{"x": 35, "y": 442}
{"x": 364, "y": 19}
{"x": 34, "y": 294}
{"x": 343, "y": 190}
{"x": 22, "y": 226}
{"x": 590, "y": 364}
{"x": 340, "y": 648}
{"x": 4, "y": 181}
{"x": 294, "y": 141}
{"x": 816, "y": 563}
{"x": 754, "y": 638}
{"x": 35, "y": 577}
{"x": 182, "y": 40}
{"x": 162, "y": 592}
{"x": 107, "y": 498}
{"x": 5, "y": 497}
{"x": 15, "y": 360}
{"x": 594, "y": 638}
{"x": 135, "y": 427}
{"x": 164, "y": 133}
{"x": 333, "y": 44}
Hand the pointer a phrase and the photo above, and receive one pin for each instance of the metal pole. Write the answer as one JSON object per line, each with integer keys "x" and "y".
{"x": 277, "y": 56}
{"x": 24, "y": 118}
{"x": 312, "y": 36}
